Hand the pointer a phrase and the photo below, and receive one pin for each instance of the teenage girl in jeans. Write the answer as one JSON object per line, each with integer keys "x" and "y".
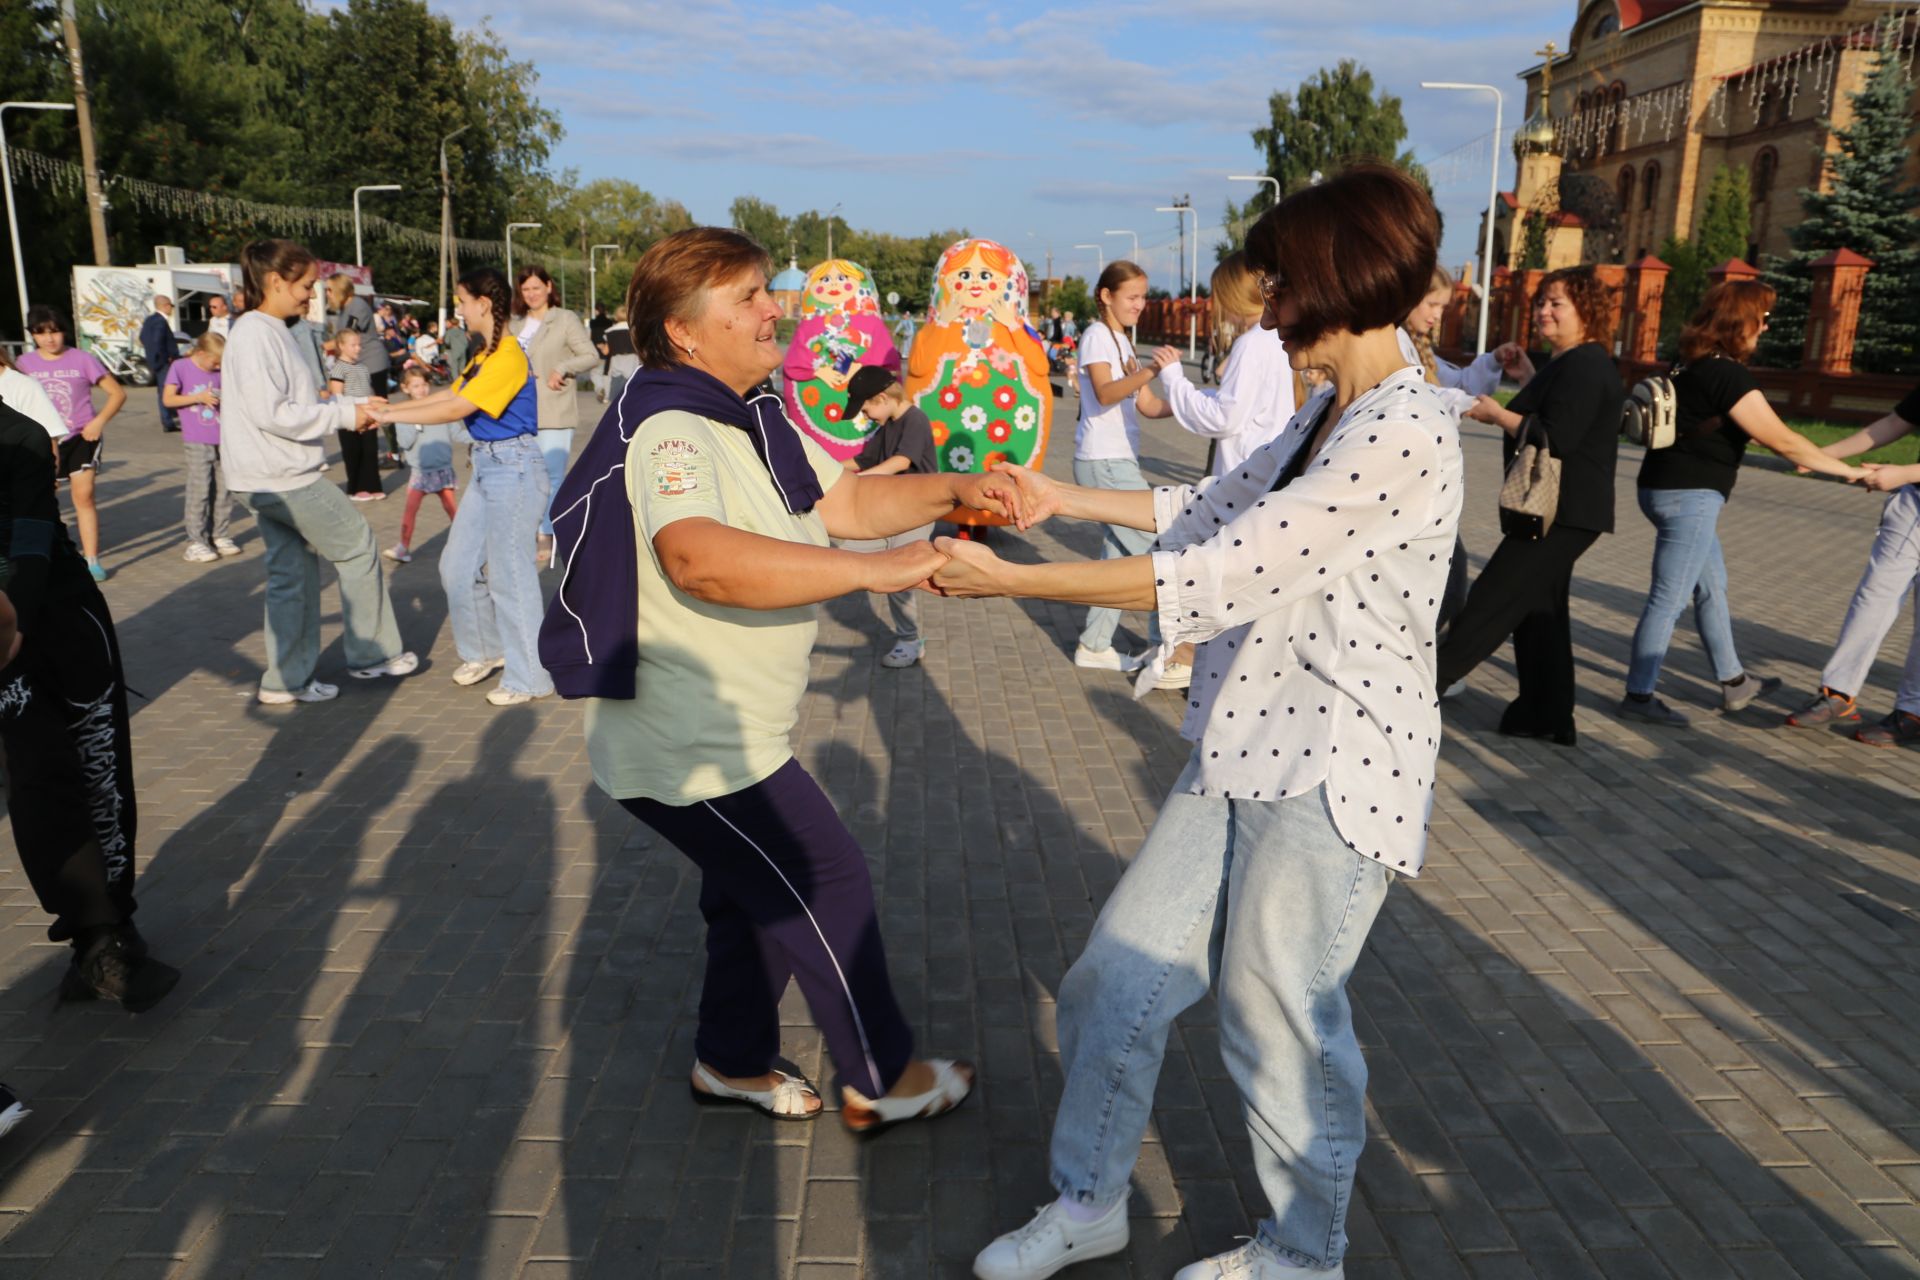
{"x": 1106, "y": 441}
{"x": 1717, "y": 408}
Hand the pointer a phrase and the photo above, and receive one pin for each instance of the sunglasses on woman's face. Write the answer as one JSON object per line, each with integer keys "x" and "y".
{"x": 1273, "y": 284}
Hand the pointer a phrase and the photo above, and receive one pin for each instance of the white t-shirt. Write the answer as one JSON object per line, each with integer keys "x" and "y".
{"x": 528, "y": 328}
{"x": 22, "y": 393}
{"x": 1113, "y": 431}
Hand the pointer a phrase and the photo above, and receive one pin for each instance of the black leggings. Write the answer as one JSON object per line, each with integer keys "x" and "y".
{"x": 69, "y": 756}
{"x": 360, "y": 452}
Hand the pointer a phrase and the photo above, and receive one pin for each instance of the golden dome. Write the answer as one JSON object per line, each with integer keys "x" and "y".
{"x": 1536, "y": 135}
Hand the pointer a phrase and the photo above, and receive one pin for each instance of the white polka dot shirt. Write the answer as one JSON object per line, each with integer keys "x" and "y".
{"x": 1314, "y": 608}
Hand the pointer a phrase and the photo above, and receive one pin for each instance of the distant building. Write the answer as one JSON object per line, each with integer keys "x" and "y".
{"x": 787, "y": 287}
{"x": 1625, "y": 131}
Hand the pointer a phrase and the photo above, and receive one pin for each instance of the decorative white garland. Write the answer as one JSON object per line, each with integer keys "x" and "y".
{"x": 64, "y": 177}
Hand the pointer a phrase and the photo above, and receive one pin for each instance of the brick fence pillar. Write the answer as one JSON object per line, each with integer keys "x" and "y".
{"x": 1833, "y": 311}
{"x": 1640, "y": 321}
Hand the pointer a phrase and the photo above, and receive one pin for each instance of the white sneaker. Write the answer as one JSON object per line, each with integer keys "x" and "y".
{"x": 398, "y": 553}
{"x": 1108, "y": 659}
{"x": 1255, "y": 1261}
{"x": 1051, "y": 1242}
{"x": 1176, "y": 675}
{"x": 511, "y": 697}
{"x": 474, "y": 672}
{"x": 904, "y": 654}
{"x": 314, "y": 691}
{"x": 199, "y": 553}
{"x": 226, "y": 546}
{"x": 401, "y": 664}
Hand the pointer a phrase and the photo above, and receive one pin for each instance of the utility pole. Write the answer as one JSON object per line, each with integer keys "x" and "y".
{"x": 89, "y": 163}
{"x": 446, "y": 226}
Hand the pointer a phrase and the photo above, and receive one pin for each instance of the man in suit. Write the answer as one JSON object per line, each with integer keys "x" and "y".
{"x": 162, "y": 349}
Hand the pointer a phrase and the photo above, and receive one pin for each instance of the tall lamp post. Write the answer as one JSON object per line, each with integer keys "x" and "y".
{"x": 1099, "y": 251}
{"x": 359, "y": 258}
{"x": 593, "y": 278}
{"x": 1193, "y": 284}
{"x": 446, "y": 221}
{"x": 1493, "y": 198}
{"x": 511, "y": 227}
{"x": 13, "y": 220}
{"x": 1256, "y": 177}
{"x": 1136, "y": 241}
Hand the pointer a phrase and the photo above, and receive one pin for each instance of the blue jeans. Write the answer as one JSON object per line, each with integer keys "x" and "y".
{"x": 1686, "y": 566}
{"x": 1893, "y": 569}
{"x": 556, "y": 447}
{"x": 299, "y": 526}
{"x": 1114, "y": 473}
{"x": 1265, "y": 898}
{"x": 487, "y": 566}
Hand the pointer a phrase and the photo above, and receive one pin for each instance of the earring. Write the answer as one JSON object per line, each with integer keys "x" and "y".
{"x": 689, "y": 351}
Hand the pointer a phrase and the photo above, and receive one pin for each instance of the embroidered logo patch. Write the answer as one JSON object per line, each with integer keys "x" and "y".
{"x": 675, "y": 468}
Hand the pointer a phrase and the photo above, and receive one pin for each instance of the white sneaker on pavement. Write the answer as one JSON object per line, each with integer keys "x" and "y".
{"x": 1108, "y": 659}
{"x": 398, "y": 553}
{"x": 474, "y": 672}
{"x": 199, "y": 553}
{"x": 511, "y": 697}
{"x": 1052, "y": 1242}
{"x": 1175, "y": 675}
{"x": 226, "y": 546}
{"x": 904, "y": 654}
{"x": 400, "y": 664}
{"x": 314, "y": 691}
{"x": 1255, "y": 1260}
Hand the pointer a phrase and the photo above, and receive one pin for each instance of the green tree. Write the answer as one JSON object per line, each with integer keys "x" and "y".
{"x": 1723, "y": 232}
{"x": 1331, "y": 119}
{"x": 1072, "y": 295}
{"x": 761, "y": 220}
{"x": 1868, "y": 207}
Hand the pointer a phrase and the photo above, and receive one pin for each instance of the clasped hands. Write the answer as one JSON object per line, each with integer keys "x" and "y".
{"x": 951, "y": 567}
{"x": 372, "y": 412}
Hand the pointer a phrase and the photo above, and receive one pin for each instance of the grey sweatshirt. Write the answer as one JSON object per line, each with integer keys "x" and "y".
{"x": 273, "y": 424}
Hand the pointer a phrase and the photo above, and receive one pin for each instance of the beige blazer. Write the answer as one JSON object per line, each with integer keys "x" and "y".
{"x": 560, "y": 343}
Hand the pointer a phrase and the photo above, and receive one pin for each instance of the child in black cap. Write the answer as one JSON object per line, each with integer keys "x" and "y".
{"x": 901, "y": 444}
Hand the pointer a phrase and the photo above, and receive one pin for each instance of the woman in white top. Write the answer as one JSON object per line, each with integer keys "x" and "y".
{"x": 1255, "y": 398}
{"x": 22, "y": 393}
{"x": 1106, "y": 440}
{"x": 1460, "y": 385}
{"x": 1310, "y": 577}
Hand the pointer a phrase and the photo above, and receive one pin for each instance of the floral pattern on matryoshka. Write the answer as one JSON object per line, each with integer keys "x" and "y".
{"x": 840, "y": 330}
{"x": 978, "y": 370}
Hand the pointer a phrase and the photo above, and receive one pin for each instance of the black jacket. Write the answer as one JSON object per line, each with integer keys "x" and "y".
{"x": 159, "y": 345}
{"x": 1577, "y": 398}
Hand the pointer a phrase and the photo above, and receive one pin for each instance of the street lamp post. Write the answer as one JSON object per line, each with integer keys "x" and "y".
{"x": 511, "y": 227}
{"x": 1493, "y": 198}
{"x": 1100, "y": 251}
{"x": 359, "y": 258}
{"x": 1136, "y": 241}
{"x": 13, "y": 220}
{"x": 446, "y": 221}
{"x": 593, "y": 278}
{"x": 1193, "y": 284}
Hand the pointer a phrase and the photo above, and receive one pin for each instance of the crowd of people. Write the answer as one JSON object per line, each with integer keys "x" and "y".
{"x": 1309, "y": 597}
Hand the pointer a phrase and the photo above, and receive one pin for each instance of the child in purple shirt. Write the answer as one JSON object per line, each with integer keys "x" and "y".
{"x": 192, "y": 387}
{"x": 68, "y": 375}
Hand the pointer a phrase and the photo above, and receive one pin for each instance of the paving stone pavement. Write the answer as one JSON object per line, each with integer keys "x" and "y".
{"x": 1652, "y": 1010}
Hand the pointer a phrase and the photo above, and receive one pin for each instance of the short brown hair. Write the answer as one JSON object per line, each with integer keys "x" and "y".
{"x": 671, "y": 280}
{"x": 1357, "y": 251}
{"x": 1593, "y": 299}
{"x": 1727, "y": 320}
{"x": 532, "y": 272}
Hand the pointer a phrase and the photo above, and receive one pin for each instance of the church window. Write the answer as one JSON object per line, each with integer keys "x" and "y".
{"x": 1650, "y": 185}
{"x": 1765, "y": 166}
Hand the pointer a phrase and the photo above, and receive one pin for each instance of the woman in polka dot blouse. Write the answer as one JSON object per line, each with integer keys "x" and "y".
{"x": 1309, "y": 577}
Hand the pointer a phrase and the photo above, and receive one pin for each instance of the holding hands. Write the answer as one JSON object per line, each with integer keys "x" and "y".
{"x": 970, "y": 571}
{"x": 1039, "y": 498}
{"x": 904, "y": 568}
{"x": 1514, "y": 361}
{"x": 1882, "y": 477}
{"x": 372, "y": 412}
{"x": 1163, "y": 357}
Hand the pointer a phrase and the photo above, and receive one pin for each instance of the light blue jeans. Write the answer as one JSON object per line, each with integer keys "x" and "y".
{"x": 487, "y": 566}
{"x": 1893, "y": 569}
{"x": 1687, "y": 565}
{"x": 1264, "y": 898}
{"x": 299, "y": 526}
{"x": 1120, "y": 542}
{"x": 556, "y": 447}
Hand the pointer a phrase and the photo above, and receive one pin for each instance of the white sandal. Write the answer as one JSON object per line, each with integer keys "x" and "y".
{"x": 952, "y": 1082}
{"x": 787, "y": 1100}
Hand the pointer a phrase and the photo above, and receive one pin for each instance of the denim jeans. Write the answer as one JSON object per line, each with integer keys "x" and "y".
{"x": 1686, "y": 565}
{"x": 487, "y": 566}
{"x": 1893, "y": 569}
{"x": 556, "y": 447}
{"x": 1114, "y": 473}
{"x": 1265, "y": 898}
{"x": 299, "y": 526}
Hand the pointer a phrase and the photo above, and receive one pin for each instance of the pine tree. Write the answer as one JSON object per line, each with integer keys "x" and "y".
{"x": 1868, "y": 208}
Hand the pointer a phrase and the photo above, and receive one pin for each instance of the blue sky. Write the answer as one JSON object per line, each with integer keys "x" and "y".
{"x": 1034, "y": 125}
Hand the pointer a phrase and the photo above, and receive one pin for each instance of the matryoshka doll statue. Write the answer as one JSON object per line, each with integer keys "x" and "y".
{"x": 840, "y": 330}
{"x": 978, "y": 371}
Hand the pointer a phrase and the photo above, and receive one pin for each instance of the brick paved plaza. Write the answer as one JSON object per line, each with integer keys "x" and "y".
{"x": 1652, "y": 1011}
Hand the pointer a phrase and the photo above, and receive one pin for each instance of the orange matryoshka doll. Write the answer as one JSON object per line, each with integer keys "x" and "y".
{"x": 977, "y": 370}
{"x": 840, "y": 330}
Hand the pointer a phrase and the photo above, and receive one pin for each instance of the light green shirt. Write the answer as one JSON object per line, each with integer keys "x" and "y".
{"x": 718, "y": 688}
